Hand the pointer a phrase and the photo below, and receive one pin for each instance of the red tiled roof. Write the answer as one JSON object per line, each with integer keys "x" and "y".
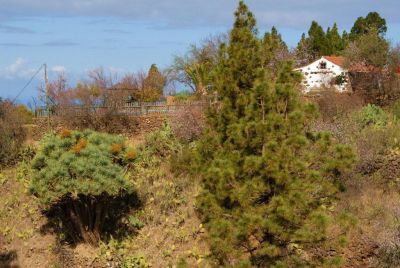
{"x": 338, "y": 60}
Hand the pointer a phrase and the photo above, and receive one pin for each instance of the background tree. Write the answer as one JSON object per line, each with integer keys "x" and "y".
{"x": 368, "y": 49}
{"x": 368, "y": 61}
{"x": 153, "y": 85}
{"x": 318, "y": 43}
{"x": 345, "y": 39}
{"x": 194, "y": 69}
{"x": 90, "y": 104}
{"x": 303, "y": 52}
{"x": 317, "y": 40}
{"x": 82, "y": 172}
{"x": 128, "y": 88}
{"x": 274, "y": 49}
{"x": 266, "y": 179}
{"x": 373, "y": 21}
{"x": 335, "y": 42}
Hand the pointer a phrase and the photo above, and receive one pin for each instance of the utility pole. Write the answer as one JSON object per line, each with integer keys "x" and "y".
{"x": 46, "y": 85}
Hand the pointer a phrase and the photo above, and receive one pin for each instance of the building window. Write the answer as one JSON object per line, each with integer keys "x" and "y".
{"x": 322, "y": 65}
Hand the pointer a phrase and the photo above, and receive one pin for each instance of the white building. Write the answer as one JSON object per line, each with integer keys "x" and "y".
{"x": 327, "y": 72}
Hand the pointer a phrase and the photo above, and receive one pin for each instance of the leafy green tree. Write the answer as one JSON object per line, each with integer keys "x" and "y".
{"x": 364, "y": 25}
{"x": 195, "y": 67}
{"x": 266, "y": 179}
{"x": 372, "y": 66}
{"x": 83, "y": 173}
{"x": 369, "y": 49}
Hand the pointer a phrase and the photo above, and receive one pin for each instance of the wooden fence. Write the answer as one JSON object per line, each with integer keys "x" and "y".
{"x": 130, "y": 109}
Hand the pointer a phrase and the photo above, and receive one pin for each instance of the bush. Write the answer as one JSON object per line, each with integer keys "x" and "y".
{"x": 135, "y": 262}
{"x": 184, "y": 95}
{"x": 104, "y": 119}
{"x": 84, "y": 171}
{"x": 12, "y": 132}
{"x": 396, "y": 110}
{"x": 25, "y": 114}
{"x": 333, "y": 104}
{"x": 390, "y": 257}
{"x": 90, "y": 104}
{"x": 188, "y": 124}
{"x": 161, "y": 143}
{"x": 373, "y": 115}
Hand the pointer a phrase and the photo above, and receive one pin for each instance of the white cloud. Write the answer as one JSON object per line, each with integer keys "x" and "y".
{"x": 58, "y": 69}
{"x": 115, "y": 70}
{"x": 19, "y": 69}
{"x": 184, "y": 13}
{"x": 14, "y": 67}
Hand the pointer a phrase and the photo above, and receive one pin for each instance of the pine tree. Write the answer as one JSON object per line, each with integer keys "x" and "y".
{"x": 266, "y": 179}
{"x": 345, "y": 39}
{"x": 317, "y": 40}
{"x": 334, "y": 41}
{"x": 274, "y": 49}
{"x": 362, "y": 26}
{"x": 304, "y": 54}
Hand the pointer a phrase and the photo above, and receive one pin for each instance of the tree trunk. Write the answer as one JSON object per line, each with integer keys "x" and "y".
{"x": 87, "y": 215}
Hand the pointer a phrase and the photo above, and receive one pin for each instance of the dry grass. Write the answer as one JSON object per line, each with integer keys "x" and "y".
{"x": 171, "y": 230}
{"x": 20, "y": 226}
{"x": 371, "y": 191}
{"x": 377, "y": 209}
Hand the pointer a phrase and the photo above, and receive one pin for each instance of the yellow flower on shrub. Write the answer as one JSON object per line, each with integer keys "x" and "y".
{"x": 116, "y": 148}
{"x": 65, "y": 133}
{"x": 131, "y": 155}
{"x": 77, "y": 148}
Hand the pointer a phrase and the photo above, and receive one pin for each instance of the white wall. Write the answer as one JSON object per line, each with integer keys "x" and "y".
{"x": 315, "y": 77}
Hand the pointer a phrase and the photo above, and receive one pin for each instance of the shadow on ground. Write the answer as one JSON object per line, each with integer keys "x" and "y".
{"x": 8, "y": 258}
{"x": 117, "y": 209}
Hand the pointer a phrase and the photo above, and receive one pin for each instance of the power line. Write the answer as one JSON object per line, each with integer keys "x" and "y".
{"x": 27, "y": 84}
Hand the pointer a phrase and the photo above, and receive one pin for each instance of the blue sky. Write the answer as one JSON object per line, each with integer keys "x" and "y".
{"x": 129, "y": 35}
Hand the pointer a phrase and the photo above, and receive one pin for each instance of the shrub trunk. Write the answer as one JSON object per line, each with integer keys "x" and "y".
{"x": 87, "y": 215}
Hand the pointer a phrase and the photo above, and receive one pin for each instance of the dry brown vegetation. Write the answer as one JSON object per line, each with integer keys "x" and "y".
{"x": 162, "y": 232}
{"x": 12, "y": 132}
{"x": 188, "y": 124}
{"x": 166, "y": 230}
{"x": 371, "y": 190}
